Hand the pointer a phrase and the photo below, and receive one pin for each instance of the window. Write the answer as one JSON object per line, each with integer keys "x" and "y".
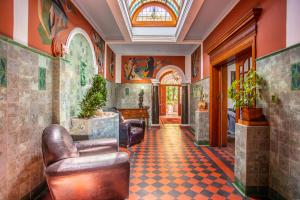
{"x": 154, "y": 12}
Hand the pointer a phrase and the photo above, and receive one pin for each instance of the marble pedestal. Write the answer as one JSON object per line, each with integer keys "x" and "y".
{"x": 201, "y": 127}
{"x": 106, "y": 126}
{"x": 251, "y": 168}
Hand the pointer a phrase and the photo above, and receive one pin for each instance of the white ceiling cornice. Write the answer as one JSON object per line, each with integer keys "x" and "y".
{"x": 220, "y": 19}
{"x": 189, "y": 14}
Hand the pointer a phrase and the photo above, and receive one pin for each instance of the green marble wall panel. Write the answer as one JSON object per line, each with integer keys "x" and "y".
{"x": 295, "y": 84}
{"x": 3, "y": 72}
{"x": 42, "y": 78}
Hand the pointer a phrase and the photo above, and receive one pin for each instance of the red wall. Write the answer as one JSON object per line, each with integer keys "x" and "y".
{"x": 6, "y": 17}
{"x": 271, "y": 27}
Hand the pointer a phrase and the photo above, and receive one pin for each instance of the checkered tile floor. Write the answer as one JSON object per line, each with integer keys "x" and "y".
{"x": 167, "y": 165}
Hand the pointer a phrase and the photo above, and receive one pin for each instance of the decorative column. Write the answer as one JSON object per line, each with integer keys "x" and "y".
{"x": 184, "y": 104}
{"x": 155, "y": 103}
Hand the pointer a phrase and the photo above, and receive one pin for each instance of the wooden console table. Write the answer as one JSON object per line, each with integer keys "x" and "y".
{"x": 135, "y": 113}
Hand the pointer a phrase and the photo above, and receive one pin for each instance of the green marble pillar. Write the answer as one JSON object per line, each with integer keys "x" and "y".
{"x": 184, "y": 104}
{"x": 155, "y": 104}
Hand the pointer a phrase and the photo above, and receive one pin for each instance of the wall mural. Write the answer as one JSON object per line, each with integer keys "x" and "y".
{"x": 99, "y": 46}
{"x": 52, "y": 18}
{"x": 196, "y": 64}
{"x": 42, "y": 78}
{"x": 141, "y": 69}
{"x": 51, "y": 21}
{"x": 110, "y": 64}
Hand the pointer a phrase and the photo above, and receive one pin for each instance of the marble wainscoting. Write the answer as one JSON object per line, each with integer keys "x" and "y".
{"x": 281, "y": 104}
{"x": 194, "y": 98}
{"x": 25, "y": 110}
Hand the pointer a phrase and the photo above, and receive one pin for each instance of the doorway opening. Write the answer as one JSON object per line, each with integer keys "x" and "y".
{"x": 169, "y": 98}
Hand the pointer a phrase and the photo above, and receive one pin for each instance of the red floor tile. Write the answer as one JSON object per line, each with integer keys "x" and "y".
{"x": 167, "y": 165}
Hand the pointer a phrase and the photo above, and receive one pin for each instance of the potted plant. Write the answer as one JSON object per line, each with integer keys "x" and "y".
{"x": 94, "y": 99}
{"x": 245, "y": 97}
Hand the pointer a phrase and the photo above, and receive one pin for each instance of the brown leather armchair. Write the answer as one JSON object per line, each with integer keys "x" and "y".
{"x": 131, "y": 131}
{"x": 86, "y": 170}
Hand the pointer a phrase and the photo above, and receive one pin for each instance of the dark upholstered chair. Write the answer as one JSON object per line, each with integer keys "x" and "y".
{"x": 85, "y": 170}
{"x": 131, "y": 131}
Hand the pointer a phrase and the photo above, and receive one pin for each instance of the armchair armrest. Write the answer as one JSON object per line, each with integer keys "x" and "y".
{"x": 84, "y": 164}
{"x": 136, "y": 122}
{"x": 88, "y": 147}
{"x": 124, "y": 133}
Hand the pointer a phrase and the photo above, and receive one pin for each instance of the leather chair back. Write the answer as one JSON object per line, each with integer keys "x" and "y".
{"x": 57, "y": 144}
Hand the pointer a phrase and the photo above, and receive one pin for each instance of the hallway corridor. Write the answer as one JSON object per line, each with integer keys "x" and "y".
{"x": 167, "y": 165}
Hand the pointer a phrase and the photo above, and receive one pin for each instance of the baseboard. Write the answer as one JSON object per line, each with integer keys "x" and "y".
{"x": 201, "y": 143}
{"x": 261, "y": 192}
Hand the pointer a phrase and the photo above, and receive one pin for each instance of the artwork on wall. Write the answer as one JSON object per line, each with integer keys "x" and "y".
{"x": 141, "y": 69}
{"x": 110, "y": 64}
{"x": 52, "y": 18}
{"x": 99, "y": 46}
{"x": 3, "y": 73}
{"x": 42, "y": 78}
{"x": 196, "y": 64}
{"x": 295, "y": 84}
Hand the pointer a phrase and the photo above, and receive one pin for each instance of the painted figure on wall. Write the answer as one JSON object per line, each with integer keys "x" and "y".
{"x": 53, "y": 18}
{"x": 196, "y": 62}
{"x": 137, "y": 69}
{"x": 99, "y": 46}
{"x": 112, "y": 65}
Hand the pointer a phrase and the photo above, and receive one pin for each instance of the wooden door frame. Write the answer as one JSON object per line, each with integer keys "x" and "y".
{"x": 240, "y": 37}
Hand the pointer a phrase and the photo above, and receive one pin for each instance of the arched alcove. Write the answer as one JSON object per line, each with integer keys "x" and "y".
{"x": 73, "y": 76}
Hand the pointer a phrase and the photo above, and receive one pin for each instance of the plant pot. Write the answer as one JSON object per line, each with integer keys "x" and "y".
{"x": 252, "y": 114}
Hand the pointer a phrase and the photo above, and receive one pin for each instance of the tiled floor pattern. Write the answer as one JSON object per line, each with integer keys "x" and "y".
{"x": 167, "y": 165}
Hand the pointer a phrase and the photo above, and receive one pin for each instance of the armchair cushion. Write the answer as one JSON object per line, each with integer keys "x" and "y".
{"x": 90, "y": 147}
{"x": 85, "y": 164}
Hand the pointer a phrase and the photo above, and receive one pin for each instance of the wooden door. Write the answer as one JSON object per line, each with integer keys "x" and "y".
{"x": 219, "y": 104}
{"x": 162, "y": 100}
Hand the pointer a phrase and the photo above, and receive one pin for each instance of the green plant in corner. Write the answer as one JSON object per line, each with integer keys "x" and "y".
{"x": 249, "y": 92}
{"x": 94, "y": 99}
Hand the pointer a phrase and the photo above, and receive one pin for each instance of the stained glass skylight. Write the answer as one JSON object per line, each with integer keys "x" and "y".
{"x": 149, "y": 11}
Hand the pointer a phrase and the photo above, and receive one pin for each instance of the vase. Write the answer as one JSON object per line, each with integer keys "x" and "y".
{"x": 202, "y": 105}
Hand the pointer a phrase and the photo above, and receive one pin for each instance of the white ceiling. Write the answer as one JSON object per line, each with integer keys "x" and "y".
{"x": 107, "y": 18}
{"x": 153, "y": 49}
{"x": 210, "y": 14}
